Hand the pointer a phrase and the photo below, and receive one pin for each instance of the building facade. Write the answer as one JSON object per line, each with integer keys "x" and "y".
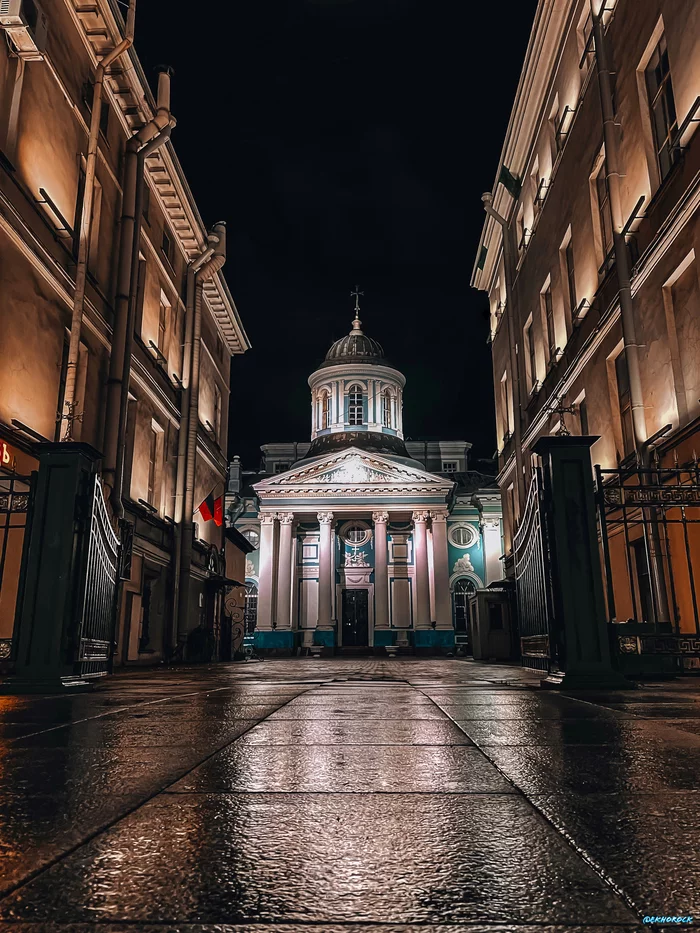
{"x": 118, "y": 325}
{"x": 589, "y": 257}
{"x": 363, "y": 540}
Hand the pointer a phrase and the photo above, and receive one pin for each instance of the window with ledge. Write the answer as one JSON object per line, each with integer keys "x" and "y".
{"x": 167, "y": 247}
{"x": 163, "y": 321}
{"x": 531, "y": 358}
{"x": 217, "y": 412}
{"x": 155, "y": 448}
{"x": 548, "y": 310}
{"x": 449, "y": 466}
{"x": 325, "y": 411}
{"x": 386, "y": 409}
{"x": 570, "y": 274}
{"x": 662, "y": 105}
{"x": 604, "y": 212}
{"x": 625, "y": 402}
{"x": 355, "y": 405}
{"x": 251, "y": 536}
{"x": 281, "y": 467}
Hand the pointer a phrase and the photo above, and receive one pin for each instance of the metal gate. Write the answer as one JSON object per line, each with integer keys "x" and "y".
{"x": 99, "y": 599}
{"x": 650, "y": 538}
{"x": 533, "y": 580}
{"x": 15, "y": 497}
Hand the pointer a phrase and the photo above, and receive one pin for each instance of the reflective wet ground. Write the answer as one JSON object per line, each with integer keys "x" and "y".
{"x": 348, "y": 796}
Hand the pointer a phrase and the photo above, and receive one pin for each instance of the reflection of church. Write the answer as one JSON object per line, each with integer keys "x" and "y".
{"x": 362, "y": 539}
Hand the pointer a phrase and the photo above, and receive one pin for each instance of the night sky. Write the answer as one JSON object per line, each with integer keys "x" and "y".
{"x": 346, "y": 141}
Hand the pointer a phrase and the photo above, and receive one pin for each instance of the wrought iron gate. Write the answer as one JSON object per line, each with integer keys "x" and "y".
{"x": 15, "y": 497}
{"x": 650, "y": 538}
{"x": 533, "y": 580}
{"x": 99, "y": 599}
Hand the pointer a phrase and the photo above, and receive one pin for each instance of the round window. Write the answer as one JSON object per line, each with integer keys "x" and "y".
{"x": 355, "y": 533}
{"x": 463, "y": 535}
{"x": 251, "y": 535}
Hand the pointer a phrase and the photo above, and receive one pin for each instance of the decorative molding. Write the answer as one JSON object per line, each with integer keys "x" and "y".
{"x": 325, "y": 518}
{"x": 380, "y": 517}
{"x": 267, "y": 518}
{"x": 421, "y": 516}
{"x": 440, "y": 517}
{"x": 285, "y": 518}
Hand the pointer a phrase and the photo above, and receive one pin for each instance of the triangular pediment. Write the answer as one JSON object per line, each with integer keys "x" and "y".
{"x": 353, "y": 472}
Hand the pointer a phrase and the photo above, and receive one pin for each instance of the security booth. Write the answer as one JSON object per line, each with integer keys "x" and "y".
{"x": 491, "y": 624}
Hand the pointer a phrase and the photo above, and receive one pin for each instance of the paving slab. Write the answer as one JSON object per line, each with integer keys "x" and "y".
{"x": 425, "y": 769}
{"x": 355, "y": 732}
{"x": 271, "y": 858}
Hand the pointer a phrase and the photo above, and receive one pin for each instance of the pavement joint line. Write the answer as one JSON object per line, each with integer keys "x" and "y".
{"x": 31, "y": 876}
{"x": 114, "y": 712}
{"x": 567, "y": 837}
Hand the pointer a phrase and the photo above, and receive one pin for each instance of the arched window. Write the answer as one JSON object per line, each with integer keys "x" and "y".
{"x": 325, "y": 411}
{"x": 251, "y": 607}
{"x": 386, "y": 409}
{"x": 463, "y": 589}
{"x": 355, "y": 406}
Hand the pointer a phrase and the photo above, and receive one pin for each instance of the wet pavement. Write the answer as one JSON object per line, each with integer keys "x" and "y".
{"x": 349, "y": 796}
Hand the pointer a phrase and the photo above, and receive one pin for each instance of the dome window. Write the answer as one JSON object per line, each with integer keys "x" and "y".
{"x": 325, "y": 411}
{"x": 386, "y": 409}
{"x": 355, "y": 405}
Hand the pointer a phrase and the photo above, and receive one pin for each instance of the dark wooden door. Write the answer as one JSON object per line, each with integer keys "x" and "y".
{"x": 355, "y": 618}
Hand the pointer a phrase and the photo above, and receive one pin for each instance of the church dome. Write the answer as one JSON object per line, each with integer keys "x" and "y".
{"x": 355, "y": 347}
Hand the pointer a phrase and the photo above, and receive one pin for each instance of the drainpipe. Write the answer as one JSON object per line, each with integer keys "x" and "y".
{"x": 194, "y": 266}
{"x": 627, "y": 315}
{"x": 86, "y": 224}
{"x": 508, "y": 270}
{"x": 128, "y": 247}
{"x": 206, "y": 270}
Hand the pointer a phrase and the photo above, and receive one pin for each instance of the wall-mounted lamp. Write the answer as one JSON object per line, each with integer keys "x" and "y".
{"x": 65, "y": 230}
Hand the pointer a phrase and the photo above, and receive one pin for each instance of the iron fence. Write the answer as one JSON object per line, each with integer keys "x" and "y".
{"x": 533, "y": 580}
{"x": 98, "y": 616}
{"x": 650, "y": 540}
{"x": 15, "y": 499}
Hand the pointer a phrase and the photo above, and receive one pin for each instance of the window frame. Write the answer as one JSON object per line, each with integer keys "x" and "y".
{"x": 356, "y": 405}
{"x": 662, "y": 95}
{"x": 387, "y": 409}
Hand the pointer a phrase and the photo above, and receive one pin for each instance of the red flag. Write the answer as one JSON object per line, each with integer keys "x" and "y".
{"x": 206, "y": 508}
{"x": 219, "y": 511}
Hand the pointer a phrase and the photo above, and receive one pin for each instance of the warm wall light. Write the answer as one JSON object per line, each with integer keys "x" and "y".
{"x": 65, "y": 230}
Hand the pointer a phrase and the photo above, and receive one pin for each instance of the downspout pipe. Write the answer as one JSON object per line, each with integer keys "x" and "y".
{"x": 180, "y": 472}
{"x": 141, "y": 156}
{"x": 627, "y": 314}
{"x": 205, "y": 272}
{"x": 509, "y": 270}
{"x": 127, "y": 250}
{"x": 85, "y": 229}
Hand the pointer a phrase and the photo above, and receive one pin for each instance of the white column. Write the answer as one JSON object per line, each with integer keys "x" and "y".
{"x": 420, "y": 552}
{"x": 325, "y": 572}
{"x": 441, "y": 571}
{"x": 381, "y": 577}
{"x": 266, "y": 570}
{"x": 284, "y": 572}
{"x": 491, "y": 537}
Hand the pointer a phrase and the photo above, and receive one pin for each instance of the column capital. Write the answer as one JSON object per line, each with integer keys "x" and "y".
{"x": 267, "y": 518}
{"x": 438, "y": 517}
{"x": 492, "y": 523}
{"x": 285, "y": 518}
{"x": 380, "y": 517}
{"x": 421, "y": 516}
{"x": 325, "y": 518}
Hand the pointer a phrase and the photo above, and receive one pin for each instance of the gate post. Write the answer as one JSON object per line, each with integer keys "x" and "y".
{"x": 577, "y": 579}
{"x": 49, "y": 615}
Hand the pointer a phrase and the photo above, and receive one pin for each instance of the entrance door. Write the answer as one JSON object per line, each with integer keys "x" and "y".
{"x": 355, "y": 616}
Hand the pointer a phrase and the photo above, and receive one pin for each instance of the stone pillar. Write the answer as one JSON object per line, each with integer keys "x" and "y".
{"x": 420, "y": 551}
{"x": 284, "y": 572}
{"x": 266, "y": 569}
{"x": 325, "y": 572}
{"x": 580, "y": 648}
{"x": 381, "y": 577}
{"x": 441, "y": 572}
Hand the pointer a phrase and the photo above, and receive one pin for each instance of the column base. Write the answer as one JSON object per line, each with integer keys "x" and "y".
{"x": 433, "y": 641}
{"x": 324, "y": 637}
{"x": 274, "y": 642}
{"x": 595, "y": 680}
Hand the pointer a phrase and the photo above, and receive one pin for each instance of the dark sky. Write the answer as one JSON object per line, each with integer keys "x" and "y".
{"x": 346, "y": 141}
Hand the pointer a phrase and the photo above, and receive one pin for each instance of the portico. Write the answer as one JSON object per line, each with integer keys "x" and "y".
{"x": 358, "y": 545}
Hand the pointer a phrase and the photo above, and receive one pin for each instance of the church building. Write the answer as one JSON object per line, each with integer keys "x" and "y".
{"x": 362, "y": 539}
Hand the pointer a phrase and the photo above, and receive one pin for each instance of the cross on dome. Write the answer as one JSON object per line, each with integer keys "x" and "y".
{"x": 357, "y": 323}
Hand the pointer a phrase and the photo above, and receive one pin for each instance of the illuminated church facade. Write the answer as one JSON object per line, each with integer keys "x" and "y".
{"x": 363, "y": 539}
